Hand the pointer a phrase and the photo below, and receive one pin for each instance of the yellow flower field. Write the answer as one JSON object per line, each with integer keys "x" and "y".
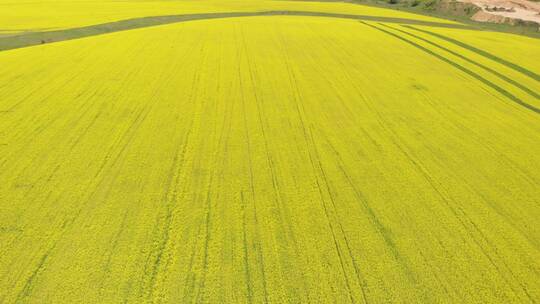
{"x": 54, "y": 14}
{"x": 268, "y": 159}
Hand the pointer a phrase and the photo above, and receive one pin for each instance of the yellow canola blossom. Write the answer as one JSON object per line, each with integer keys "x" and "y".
{"x": 270, "y": 159}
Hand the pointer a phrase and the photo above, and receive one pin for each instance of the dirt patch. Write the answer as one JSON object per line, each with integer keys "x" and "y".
{"x": 455, "y": 8}
{"x": 515, "y": 12}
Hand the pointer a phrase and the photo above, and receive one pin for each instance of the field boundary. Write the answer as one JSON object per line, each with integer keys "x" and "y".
{"x": 37, "y": 38}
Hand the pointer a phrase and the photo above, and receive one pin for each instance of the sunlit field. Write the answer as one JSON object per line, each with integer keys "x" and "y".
{"x": 266, "y": 157}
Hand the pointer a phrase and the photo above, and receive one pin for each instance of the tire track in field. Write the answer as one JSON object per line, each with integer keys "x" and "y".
{"x": 31, "y": 280}
{"x": 488, "y": 55}
{"x": 113, "y": 159}
{"x": 128, "y": 136}
{"x": 170, "y": 196}
{"x": 359, "y": 276}
{"x": 486, "y": 68}
{"x": 222, "y": 142}
{"x": 247, "y": 272}
{"x": 386, "y": 234}
{"x": 279, "y": 197}
{"x": 259, "y": 248}
{"x": 321, "y": 179}
{"x": 72, "y": 143}
{"x": 192, "y": 275}
{"x": 86, "y": 104}
{"x": 395, "y": 142}
{"x": 29, "y": 284}
{"x": 491, "y": 148}
{"x": 497, "y": 88}
{"x": 482, "y": 236}
{"x": 469, "y": 226}
{"x": 38, "y": 38}
{"x": 383, "y": 231}
{"x": 317, "y": 171}
{"x": 159, "y": 256}
{"x": 39, "y": 129}
{"x": 468, "y": 223}
{"x": 401, "y": 260}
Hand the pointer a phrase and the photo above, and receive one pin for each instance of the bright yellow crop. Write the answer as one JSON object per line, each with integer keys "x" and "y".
{"x": 44, "y": 15}
{"x": 283, "y": 159}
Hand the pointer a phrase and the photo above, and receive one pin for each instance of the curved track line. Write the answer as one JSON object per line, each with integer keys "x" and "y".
{"x": 507, "y": 63}
{"x": 486, "y": 68}
{"x": 461, "y": 68}
{"x": 36, "y": 38}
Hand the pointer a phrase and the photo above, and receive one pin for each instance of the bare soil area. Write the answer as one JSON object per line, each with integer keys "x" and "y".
{"x": 506, "y": 11}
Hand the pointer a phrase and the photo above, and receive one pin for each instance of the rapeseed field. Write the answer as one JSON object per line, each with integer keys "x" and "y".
{"x": 267, "y": 158}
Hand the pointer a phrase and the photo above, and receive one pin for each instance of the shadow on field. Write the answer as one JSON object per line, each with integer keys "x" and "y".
{"x": 35, "y": 38}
